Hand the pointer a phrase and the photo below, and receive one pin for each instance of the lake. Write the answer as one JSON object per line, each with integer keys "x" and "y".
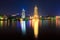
{"x": 29, "y": 30}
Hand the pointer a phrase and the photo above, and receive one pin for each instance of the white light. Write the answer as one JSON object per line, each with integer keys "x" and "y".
{"x": 23, "y": 27}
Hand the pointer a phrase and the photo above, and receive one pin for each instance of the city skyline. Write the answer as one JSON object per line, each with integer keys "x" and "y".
{"x": 47, "y": 7}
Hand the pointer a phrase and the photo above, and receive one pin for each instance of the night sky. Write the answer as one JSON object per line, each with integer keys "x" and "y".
{"x": 46, "y": 7}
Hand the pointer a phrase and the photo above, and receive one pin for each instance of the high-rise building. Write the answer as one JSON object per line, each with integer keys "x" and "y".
{"x": 23, "y": 13}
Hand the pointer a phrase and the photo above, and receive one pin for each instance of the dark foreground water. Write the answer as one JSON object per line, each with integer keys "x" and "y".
{"x": 48, "y": 29}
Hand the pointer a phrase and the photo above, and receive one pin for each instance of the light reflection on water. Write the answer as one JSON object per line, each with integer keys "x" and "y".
{"x": 45, "y": 26}
{"x": 58, "y": 23}
{"x": 23, "y": 25}
{"x": 30, "y": 21}
{"x": 1, "y": 23}
{"x": 36, "y": 27}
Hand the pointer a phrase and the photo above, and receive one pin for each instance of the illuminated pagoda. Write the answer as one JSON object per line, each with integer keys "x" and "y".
{"x": 35, "y": 21}
{"x": 35, "y": 12}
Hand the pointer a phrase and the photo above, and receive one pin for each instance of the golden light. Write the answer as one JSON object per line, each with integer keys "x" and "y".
{"x": 1, "y": 23}
{"x": 1, "y": 18}
{"x": 36, "y": 27}
{"x": 35, "y": 21}
{"x": 21, "y": 19}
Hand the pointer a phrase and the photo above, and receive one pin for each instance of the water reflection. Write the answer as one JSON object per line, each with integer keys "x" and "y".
{"x": 45, "y": 23}
{"x": 35, "y": 24}
{"x": 8, "y": 23}
{"x": 36, "y": 28}
{"x": 13, "y": 23}
{"x": 40, "y": 23}
{"x": 29, "y": 23}
{"x": 23, "y": 26}
{"x": 5, "y": 25}
{"x": 1, "y": 25}
{"x": 58, "y": 23}
{"x": 18, "y": 26}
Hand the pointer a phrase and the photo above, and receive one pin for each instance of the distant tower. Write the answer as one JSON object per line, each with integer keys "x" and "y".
{"x": 23, "y": 13}
{"x": 35, "y": 11}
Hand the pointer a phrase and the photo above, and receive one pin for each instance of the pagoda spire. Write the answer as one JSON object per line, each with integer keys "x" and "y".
{"x": 35, "y": 11}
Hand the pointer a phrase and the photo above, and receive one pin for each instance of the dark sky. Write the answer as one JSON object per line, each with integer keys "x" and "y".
{"x": 46, "y": 7}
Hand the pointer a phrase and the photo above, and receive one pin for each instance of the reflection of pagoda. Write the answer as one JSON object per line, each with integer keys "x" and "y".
{"x": 35, "y": 12}
{"x": 35, "y": 21}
